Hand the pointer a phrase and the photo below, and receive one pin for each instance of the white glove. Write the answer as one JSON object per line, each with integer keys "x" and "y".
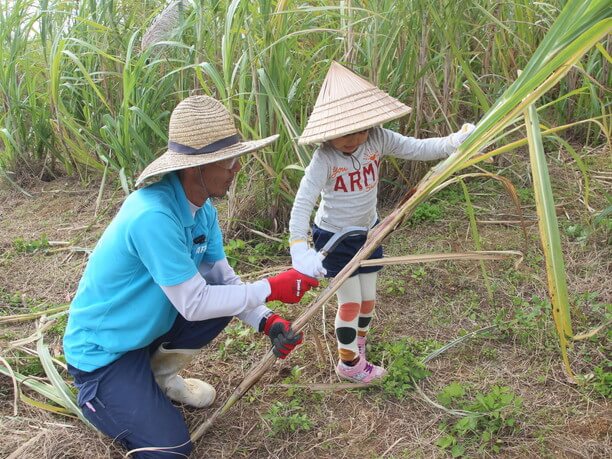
{"x": 459, "y": 137}
{"x": 307, "y": 260}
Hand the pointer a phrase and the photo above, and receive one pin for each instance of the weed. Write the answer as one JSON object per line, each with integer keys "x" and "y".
{"x": 28, "y": 365}
{"x": 577, "y": 232}
{"x": 11, "y": 299}
{"x": 602, "y": 379}
{"x": 492, "y": 414}
{"x": 22, "y": 246}
{"x": 253, "y": 253}
{"x": 418, "y": 273}
{"x": 490, "y": 353}
{"x": 525, "y": 195}
{"x": 426, "y": 212}
{"x": 450, "y": 393}
{"x": 294, "y": 376}
{"x": 404, "y": 365}
{"x": 59, "y": 327}
{"x": 286, "y": 417}
{"x": 233, "y": 249}
{"x": 394, "y": 286}
{"x": 451, "y": 195}
{"x": 528, "y": 322}
{"x": 236, "y": 340}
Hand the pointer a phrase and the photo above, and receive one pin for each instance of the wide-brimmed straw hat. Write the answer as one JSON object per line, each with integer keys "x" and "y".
{"x": 346, "y": 104}
{"x": 201, "y": 131}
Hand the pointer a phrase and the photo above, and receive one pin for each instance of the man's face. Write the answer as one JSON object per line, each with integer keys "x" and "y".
{"x": 218, "y": 177}
{"x": 209, "y": 181}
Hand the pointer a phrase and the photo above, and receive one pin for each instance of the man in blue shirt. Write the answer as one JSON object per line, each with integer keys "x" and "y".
{"x": 158, "y": 288}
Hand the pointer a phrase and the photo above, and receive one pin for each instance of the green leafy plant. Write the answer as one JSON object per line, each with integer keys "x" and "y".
{"x": 404, "y": 366}
{"x": 233, "y": 249}
{"x": 24, "y": 246}
{"x": 426, "y": 212}
{"x": 26, "y": 364}
{"x": 450, "y": 393}
{"x": 237, "y": 340}
{"x": 602, "y": 379}
{"x": 577, "y": 232}
{"x": 287, "y": 417}
{"x": 418, "y": 273}
{"x": 525, "y": 195}
{"x": 526, "y": 321}
{"x": 492, "y": 415}
{"x": 394, "y": 286}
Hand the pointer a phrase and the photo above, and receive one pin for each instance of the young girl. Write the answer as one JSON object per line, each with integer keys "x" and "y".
{"x": 344, "y": 171}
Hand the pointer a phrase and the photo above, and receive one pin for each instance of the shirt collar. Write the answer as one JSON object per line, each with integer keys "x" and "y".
{"x": 181, "y": 198}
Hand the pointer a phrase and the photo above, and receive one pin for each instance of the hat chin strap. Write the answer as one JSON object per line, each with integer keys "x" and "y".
{"x": 203, "y": 186}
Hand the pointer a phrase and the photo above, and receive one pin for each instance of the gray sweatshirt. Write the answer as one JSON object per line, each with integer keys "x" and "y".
{"x": 348, "y": 184}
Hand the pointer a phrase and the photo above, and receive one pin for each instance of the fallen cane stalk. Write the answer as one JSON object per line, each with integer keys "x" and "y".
{"x": 428, "y": 257}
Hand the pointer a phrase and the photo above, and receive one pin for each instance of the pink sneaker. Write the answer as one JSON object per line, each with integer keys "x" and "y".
{"x": 361, "y": 345}
{"x": 362, "y": 372}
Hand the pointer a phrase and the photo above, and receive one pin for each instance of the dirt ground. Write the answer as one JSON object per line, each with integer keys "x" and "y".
{"x": 428, "y": 303}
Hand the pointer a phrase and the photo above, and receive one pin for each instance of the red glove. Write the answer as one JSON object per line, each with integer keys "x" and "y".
{"x": 290, "y": 286}
{"x": 283, "y": 338}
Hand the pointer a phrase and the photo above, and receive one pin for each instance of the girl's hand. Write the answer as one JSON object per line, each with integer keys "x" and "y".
{"x": 306, "y": 260}
{"x": 459, "y": 137}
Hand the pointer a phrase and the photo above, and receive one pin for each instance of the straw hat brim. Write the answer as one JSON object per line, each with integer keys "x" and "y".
{"x": 351, "y": 114}
{"x": 172, "y": 161}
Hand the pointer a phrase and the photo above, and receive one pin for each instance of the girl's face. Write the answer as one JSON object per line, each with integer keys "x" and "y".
{"x": 348, "y": 144}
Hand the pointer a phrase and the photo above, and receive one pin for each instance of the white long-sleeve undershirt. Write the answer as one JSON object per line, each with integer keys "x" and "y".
{"x": 217, "y": 291}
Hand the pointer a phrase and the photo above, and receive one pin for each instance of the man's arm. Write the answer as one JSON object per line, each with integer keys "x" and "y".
{"x": 221, "y": 273}
{"x": 196, "y": 299}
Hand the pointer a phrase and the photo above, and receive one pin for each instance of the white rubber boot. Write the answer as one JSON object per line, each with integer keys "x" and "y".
{"x": 166, "y": 363}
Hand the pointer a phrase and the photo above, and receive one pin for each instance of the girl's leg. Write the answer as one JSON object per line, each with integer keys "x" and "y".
{"x": 367, "y": 282}
{"x": 352, "y": 365}
{"x": 349, "y": 303}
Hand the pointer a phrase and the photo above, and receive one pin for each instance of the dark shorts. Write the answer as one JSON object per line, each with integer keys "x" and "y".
{"x": 343, "y": 253}
{"x": 124, "y": 402}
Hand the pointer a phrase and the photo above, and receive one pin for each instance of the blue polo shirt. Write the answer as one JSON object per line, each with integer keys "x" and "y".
{"x": 153, "y": 240}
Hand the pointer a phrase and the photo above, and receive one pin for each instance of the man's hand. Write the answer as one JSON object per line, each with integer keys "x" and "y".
{"x": 459, "y": 137}
{"x": 306, "y": 260}
{"x": 290, "y": 286}
{"x": 283, "y": 338}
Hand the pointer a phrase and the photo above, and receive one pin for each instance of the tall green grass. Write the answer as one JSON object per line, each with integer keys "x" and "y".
{"x": 79, "y": 95}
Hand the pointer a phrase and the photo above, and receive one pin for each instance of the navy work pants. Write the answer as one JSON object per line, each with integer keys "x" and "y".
{"x": 123, "y": 400}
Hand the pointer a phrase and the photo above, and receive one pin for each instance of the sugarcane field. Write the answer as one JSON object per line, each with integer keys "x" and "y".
{"x": 282, "y": 229}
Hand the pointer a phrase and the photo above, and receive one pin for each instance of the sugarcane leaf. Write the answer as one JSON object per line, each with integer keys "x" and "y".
{"x": 549, "y": 235}
{"x": 63, "y": 392}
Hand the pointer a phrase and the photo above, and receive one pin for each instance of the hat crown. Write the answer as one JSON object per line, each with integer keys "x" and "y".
{"x": 198, "y": 121}
{"x": 346, "y": 104}
{"x": 340, "y": 82}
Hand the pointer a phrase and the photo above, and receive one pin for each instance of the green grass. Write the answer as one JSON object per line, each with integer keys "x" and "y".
{"x": 81, "y": 96}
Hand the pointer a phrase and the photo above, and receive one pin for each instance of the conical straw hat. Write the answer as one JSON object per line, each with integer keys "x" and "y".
{"x": 201, "y": 131}
{"x": 346, "y": 104}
